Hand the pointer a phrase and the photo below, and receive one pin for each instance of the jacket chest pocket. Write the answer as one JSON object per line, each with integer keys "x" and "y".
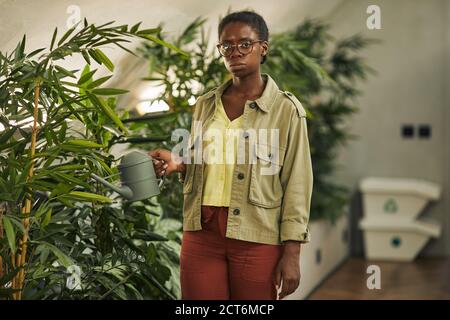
{"x": 265, "y": 185}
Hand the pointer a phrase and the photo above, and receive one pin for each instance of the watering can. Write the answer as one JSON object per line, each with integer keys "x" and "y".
{"x": 137, "y": 175}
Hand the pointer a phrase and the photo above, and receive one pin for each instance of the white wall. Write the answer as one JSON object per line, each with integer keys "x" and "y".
{"x": 38, "y": 18}
{"x": 411, "y": 87}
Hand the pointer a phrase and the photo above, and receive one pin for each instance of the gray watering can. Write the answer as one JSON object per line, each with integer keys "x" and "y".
{"x": 138, "y": 177}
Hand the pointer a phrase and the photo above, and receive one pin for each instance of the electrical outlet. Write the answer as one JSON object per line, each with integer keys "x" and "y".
{"x": 408, "y": 131}
{"x": 424, "y": 131}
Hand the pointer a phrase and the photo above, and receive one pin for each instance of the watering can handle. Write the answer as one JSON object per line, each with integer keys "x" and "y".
{"x": 162, "y": 178}
{"x": 162, "y": 181}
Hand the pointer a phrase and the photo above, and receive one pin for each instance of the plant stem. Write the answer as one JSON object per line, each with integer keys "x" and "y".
{"x": 117, "y": 285}
{"x": 14, "y": 279}
{"x": 27, "y": 209}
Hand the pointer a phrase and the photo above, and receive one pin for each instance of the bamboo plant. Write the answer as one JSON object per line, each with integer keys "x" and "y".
{"x": 53, "y": 217}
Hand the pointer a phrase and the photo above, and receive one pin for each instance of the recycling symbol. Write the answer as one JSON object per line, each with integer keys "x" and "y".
{"x": 390, "y": 206}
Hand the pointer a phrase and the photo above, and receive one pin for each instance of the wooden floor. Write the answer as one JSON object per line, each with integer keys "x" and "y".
{"x": 423, "y": 279}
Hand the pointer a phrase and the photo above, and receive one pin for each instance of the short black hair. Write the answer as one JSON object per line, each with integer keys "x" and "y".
{"x": 250, "y": 18}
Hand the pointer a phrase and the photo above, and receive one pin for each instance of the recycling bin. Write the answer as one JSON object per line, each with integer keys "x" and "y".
{"x": 397, "y": 196}
{"x": 396, "y": 239}
{"x": 391, "y": 206}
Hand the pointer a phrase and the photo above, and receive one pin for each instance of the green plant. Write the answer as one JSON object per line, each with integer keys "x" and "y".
{"x": 58, "y": 129}
{"x": 323, "y": 73}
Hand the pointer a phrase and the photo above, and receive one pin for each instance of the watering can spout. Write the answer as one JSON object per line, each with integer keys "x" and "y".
{"x": 124, "y": 191}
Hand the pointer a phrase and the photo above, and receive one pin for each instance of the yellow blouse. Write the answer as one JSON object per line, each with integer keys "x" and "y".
{"x": 219, "y": 154}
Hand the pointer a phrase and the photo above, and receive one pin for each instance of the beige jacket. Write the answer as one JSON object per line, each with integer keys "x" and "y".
{"x": 264, "y": 208}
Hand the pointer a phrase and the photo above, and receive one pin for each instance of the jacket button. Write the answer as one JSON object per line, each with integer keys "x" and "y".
{"x": 240, "y": 176}
{"x": 253, "y": 105}
{"x": 246, "y": 135}
{"x": 236, "y": 211}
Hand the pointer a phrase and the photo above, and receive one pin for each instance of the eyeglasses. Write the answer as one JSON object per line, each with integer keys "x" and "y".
{"x": 244, "y": 47}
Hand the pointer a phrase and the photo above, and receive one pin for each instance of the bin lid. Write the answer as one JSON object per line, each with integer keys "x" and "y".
{"x": 425, "y": 226}
{"x": 417, "y": 187}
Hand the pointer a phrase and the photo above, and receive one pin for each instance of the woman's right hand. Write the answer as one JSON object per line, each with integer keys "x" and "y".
{"x": 166, "y": 162}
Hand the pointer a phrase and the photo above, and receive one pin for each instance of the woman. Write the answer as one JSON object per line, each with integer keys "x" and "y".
{"x": 244, "y": 223}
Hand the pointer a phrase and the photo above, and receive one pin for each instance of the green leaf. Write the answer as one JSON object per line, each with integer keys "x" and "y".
{"x": 104, "y": 60}
{"x": 69, "y": 178}
{"x": 168, "y": 45}
{"x": 18, "y": 224}
{"x": 71, "y": 84}
{"x": 98, "y": 82}
{"x": 10, "y": 233}
{"x": 5, "y": 135}
{"x": 65, "y": 72}
{"x": 59, "y": 189}
{"x": 146, "y": 31}
{"x": 84, "y": 78}
{"x": 89, "y": 196}
{"x": 148, "y": 236}
{"x": 53, "y": 39}
{"x": 48, "y": 137}
{"x": 67, "y": 167}
{"x": 84, "y": 143}
{"x": 104, "y": 166}
{"x": 17, "y": 57}
{"x": 22, "y": 46}
{"x": 64, "y": 259}
{"x": 62, "y": 131}
{"x": 66, "y": 35}
{"x": 40, "y": 211}
{"x": 98, "y": 101}
{"x": 66, "y": 202}
{"x": 109, "y": 91}
{"x": 33, "y": 53}
{"x": 43, "y": 255}
{"x": 135, "y": 27}
{"x": 86, "y": 57}
{"x": 8, "y": 277}
{"x": 124, "y": 28}
{"x": 94, "y": 55}
{"x": 47, "y": 218}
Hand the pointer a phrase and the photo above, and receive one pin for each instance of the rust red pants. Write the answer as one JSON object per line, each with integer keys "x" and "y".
{"x": 215, "y": 267}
